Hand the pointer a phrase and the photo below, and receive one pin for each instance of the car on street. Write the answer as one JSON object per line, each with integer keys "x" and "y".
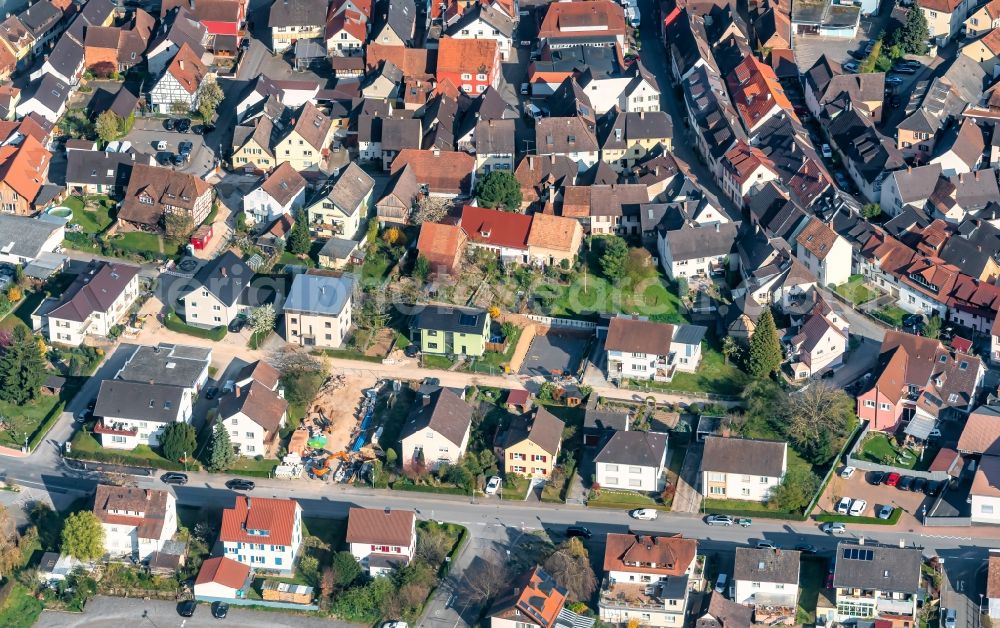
{"x": 848, "y": 472}
{"x": 174, "y": 477}
{"x": 858, "y": 507}
{"x": 905, "y": 483}
{"x": 876, "y": 478}
{"x": 892, "y": 479}
{"x": 833, "y": 528}
{"x": 240, "y": 485}
{"x": 579, "y": 531}
{"x": 186, "y": 608}
{"x": 183, "y": 125}
{"x": 766, "y": 545}
{"x": 806, "y": 548}
{"x": 885, "y": 511}
{"x": 919, "y": 485}
{"x": 719, "y": 520}
{"x": 720, "y": 583}
{"x": 744, "y": 522}
{"x": 492, "y": 486}
{"x": 220, "y": 610}
{"x": 844, "y": 505}
{"x": 904, "y": 69}
{"x": 211, "y": 392}
{"x": 949, "y": 617}
{"x": 826, "y": 151}
{"x": 395, "y": 624}
{"x": 237, "y": 325}
{"x": 893, "y": 80}
{"x": 644, "y": 514}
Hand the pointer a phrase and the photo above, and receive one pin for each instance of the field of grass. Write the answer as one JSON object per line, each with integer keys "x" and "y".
{"x": 256, "y": 468}
{"x": 585, "y": 299}
{"x": 85, "y": 446}
{"x": 431, "y": 361}
{"x": 139, "y": 242}
{"x": 713, "y": 376}
{"x": 21, "y": 609}
{"x": 855, "y": 291}
{"x": 93, "y": 220}
{"x": 878, "y": 448}
{"x": 606, "y": 498}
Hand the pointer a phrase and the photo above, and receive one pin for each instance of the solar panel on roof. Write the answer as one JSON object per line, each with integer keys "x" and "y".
{"x": 855, "y": 553}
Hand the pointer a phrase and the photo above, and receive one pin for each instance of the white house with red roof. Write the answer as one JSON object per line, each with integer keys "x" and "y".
{"x": 97, "y": 299}
{"x": 504, "y": 233}
{"x": 382, "y": 540}
{"x": 136, "y": 521}
{"x": 262, "y": 533}
{"x": 222, "y": 577}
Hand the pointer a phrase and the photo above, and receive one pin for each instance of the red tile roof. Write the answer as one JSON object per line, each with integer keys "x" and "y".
{"x": 441, "y": 244}
{"x": 742, "y": 160}
{"x": 495, "y": 228}
{"x": 476, "y": 56}
{"x": 756, "y": 91}
{"x": 672, "y": 555}
{"x": 564, "y": 19}
{"x": 24, "y": 167}
{"x": 224, "y": 571}
{"x": 187, "y": 68}
{"x": 276, "y": 516}
{"x": 412, "y": 62}
{"x": 442, "y": 171}
{"x": 941, "y": 6}
{"x": 380, "y": 527}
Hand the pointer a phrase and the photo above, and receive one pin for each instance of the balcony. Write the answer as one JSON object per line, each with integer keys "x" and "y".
{"x": 886, "y": 606}
{"x": 115, "y": 429}
{"x": 641, "y": 596}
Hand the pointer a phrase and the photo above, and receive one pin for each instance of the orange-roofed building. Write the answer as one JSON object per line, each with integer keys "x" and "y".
{"x": 744, "y": 167}
{"x": 23, "y": 170}
{"x": 647, "y": 578}
{"x": 553, "y": 239}
{"x": 262, "y": 533}
{"x": 757, "y": 93}
{"x": 222, "y": 577}
{"x": 180, "y": 83}
{"x": 593, "y": 21}
{"x": 471, "y": 64}
{"x": 442, "y": 245}
{"x": 535, "y": 600}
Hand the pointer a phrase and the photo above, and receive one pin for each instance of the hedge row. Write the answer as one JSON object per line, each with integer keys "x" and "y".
{"x": 174, "y": 323}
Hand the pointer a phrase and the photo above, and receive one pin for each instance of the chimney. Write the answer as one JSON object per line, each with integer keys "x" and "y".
{"x": 149, "y": 495}
{"x": 436, "y": 151}
{"x": 861, "y": 541}
{"x": 180, "y": 63}
{"x": 248, "y": 503}
{"x": 223, "y": 271}
{"x": 236, "y": 391}
{"x": 387, "y": 511}
{"x": 902, "y": 543}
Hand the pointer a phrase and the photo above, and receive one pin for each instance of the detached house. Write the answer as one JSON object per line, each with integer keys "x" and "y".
{"x": 318, "y": 310}
{"x": 530, "y": 445}
{"x": 824, "y": 252}
{"x": 471, "y": 65}
{"x": 154, "y": 192}
{"x": 339, "y": 210}
{"x": 820, "y": 343}
{"x": 294, "y": 20}
{"x": 446, "y": 330}
{"x": 137, "y": 413}
{"x": 634, "y": 461}
{"x": 137, "y": 522}
{"x": 281, "y": 193}
{"x": 442, "y": 246}
{"x": 768, "y": 580}
{"x": 254, "y": 412}
{"x": 437, "y": 431}
{"x": 876, "y": 582}
{"x": 179, "y": 83}
{"x": 382, "y": 540}
{"x": 696, "y": 250}
{"x": 742, "y": 468}
{"x": 96, "y": 301}
{"x": 485, "y": 21}
{"x": 263, "y": 533}
{"x": 219, "y": 292}
{"x": 644, "y": 350}
{"x": 536, "y": 601}
{"x": 46, "y": 97}
{"x": 647, "y": 579}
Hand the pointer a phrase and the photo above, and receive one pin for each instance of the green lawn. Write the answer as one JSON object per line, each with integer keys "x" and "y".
{"x": 25, "y": 421}
{"x": 892, "y": 314}
{"x": 431, "y": 361}
{"x": 492, "y": 361}
{"x": 85, "y": 446}
{"x": 713, "y": 376}
{"x": 290, "y": 259}
{"x": 256, "y": 468}
{"x": 139, "y": 242}
{"x": 92, "y": 221}
{"x": 586, "y": 298}
{"x": 812, "y": 573}
{"x": 880, "y": 449}
{"x": 606, "y": 498}
{"x": 855, "y": 291}
{"x": 21, "y": 609}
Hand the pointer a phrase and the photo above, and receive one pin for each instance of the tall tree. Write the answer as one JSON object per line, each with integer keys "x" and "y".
{"x": 729, "y": 348}
{"x": 614, "y": 258}
{"x": 262, "y": 319}
{"x": 108, "y": 126}
{"x": 764, "y": 356}
{"x": 499, "y": 189}
{"x": 208, "y": 100}
{"x": 298, "y": 240}
{"x": 570, "y": 567}
{"x": 179, "y": 440}
{"x": 222, "y": 455}
{"x": 795, "y": 491}
{"x": 913, "y": 36}
{"x": 22, "y": 368}
{"x": 819, "y": 418}
{"x": 83, "y": 536}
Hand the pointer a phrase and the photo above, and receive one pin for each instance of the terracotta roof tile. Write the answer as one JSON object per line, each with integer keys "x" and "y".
{"x": 380, "y": 527}
{"x": 442, "y": 171}
{"x": 756, "y": 91}
{"x": 981, "y": 434}
{"x": 467, "y": 55}
{"x": 441, "y": 244}
{"x": 224, "y": 571}
{"x": 495, "y": 227}
{"x": 631, "y": 335}
{"x": 283, "y": 184}
{"x": 188, "y": 69}
{"x": 554, "y": 232}
{"x": 275, "y": 516}
{"x": 671, "y": 554}
{"x": 818, "y": 238}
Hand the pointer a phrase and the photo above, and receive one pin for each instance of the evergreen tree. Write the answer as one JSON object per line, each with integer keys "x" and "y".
{"x": 764, "y": 356}
{"x": 222, "y": 456}
{"x": 22, "y": 368}
{"x": 499, "y": 189}
{"x": 298, "y": 240}
{"x": 179, "y": 440}
{"x": 912, "y": 37}
{"x": 614, "y": 258}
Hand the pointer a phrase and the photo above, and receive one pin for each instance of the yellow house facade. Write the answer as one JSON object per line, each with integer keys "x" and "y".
{"x": 983, "y": 20}
{"x": 530, "y": 446}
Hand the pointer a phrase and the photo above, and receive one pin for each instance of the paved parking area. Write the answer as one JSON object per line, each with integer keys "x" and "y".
{"x": 146, "y": 133}
{"x": 554, "y": 353}
{"x": 858, "y": 487}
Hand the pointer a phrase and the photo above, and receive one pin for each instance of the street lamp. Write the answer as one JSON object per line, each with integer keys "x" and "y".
{"x": 185, "y": 461}
{"x": 980, "y": 620}
{"x": 145, "y": 615}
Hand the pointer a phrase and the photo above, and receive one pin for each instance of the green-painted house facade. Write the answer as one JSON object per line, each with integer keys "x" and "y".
{"x": 445, "y": 330}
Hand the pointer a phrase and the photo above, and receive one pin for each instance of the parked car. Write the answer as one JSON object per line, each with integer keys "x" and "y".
{"x": 892, "y": 479}
{"x": 934, "y": 433}
{"x": 183, "y": 125}
{"x": 83, "y": 416}
{"x": 186, "y": 608}
{"x": 580, "y": 531}
{"x": 911, "y": 320}
{"x": 949, "y": 617}
{"x": 919, "y": 485}
{"x": 851, "y": 67}
{"x": 184, "y": 148}
{"x": 163, "y": 159}
{"x": 237, "y": 325}
{"x": 848, "y": 472}
{"x": 220, "y": 610}
{"x": 841, "y": 180}
{"x": 806, "y": 548}
{"x": 411, "y": 351}
{"x": 525, "y": 89}
{"x": 858, "y": 507}
{"x": 719, "y": 520}
{"x": 644, "y": 514}
{"x": 493, "y": 485}
{"x": 179, "y": 160}
{"x": 169, "y": 124}
{"x": 876, "y": 478}
{"x": 844, "y": 505}
{"x": 240, "y": 485}
{"x": 826, "y": 151}
{"x": 720, "y": 583}
{"x": 905, "y": 483}
{"x": 893, "y": 80}
{"x": 211, "y": 392}
{"x": 885, "y": 511}
{"x": 905, "y": 69}
{"x": 161, "y": 145}
{"x": 174, "y": 477}
{"x": 766, "y": 545}
{"x": 933, "y": 488}
{"x": 833, "y": 528}
{"x": 744, "y": 522}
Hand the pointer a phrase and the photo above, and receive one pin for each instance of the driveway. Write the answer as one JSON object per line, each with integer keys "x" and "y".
{"x": 554, "y": 354}
{"x": 687, "y": 498}
{"x": 146, "y": 133}
{"x": 858, "y": 488}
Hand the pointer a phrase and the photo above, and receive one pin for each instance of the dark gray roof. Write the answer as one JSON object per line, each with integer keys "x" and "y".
{"x": 67, "y": 56}
{"x": 40, "y": 17}
{"x": 690, "y": 242}
{"x": 879, "y": 567}
{"x": 597, "y": 62}
{"x": 916, "y": 184}
{"x": 50, "y": 91}
{"x": 226, "y": 277}
{"x": 539, "y": 426}
{"x": 297, "y": 13}
{"x": 22, "y": 236}
{"x": 94, "y": 167}
{"x": 767, "y": 565}
{"x": 139, "y": 401}
{"x": 167, "y": 364}
{"x": 351, "y": 188}
{"x": 184, "y": 28}
{"x": 400, "y": 133}
{"x": 401, "y": 18}
{"x": 489, "y": 15}
{"x": 338, "y": 248}
{"x": 972, "y": 246}
{"x": 495, "y": 137}
{"x": 442, "y": 411}
{"x": 647, "y": 449}
{"x": 94, "y": 12}
{"x": 746, "y": 456}
{"x": 872, "y": 153}
{"x": 594, "y": 419}
{"x": 689, "y": 334}
{"x": 672, "y": 587}
{"x": 466, "y": 320}
{"x": 319, "y": 294}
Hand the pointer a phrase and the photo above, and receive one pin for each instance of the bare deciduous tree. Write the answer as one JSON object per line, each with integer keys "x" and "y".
{"x": 570, "y": 566}
{"x": 485, "y": 578}
{"x": 431, "y": 209}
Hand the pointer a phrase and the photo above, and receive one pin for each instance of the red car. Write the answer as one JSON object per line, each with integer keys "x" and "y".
{"x": 892, "y": 479}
